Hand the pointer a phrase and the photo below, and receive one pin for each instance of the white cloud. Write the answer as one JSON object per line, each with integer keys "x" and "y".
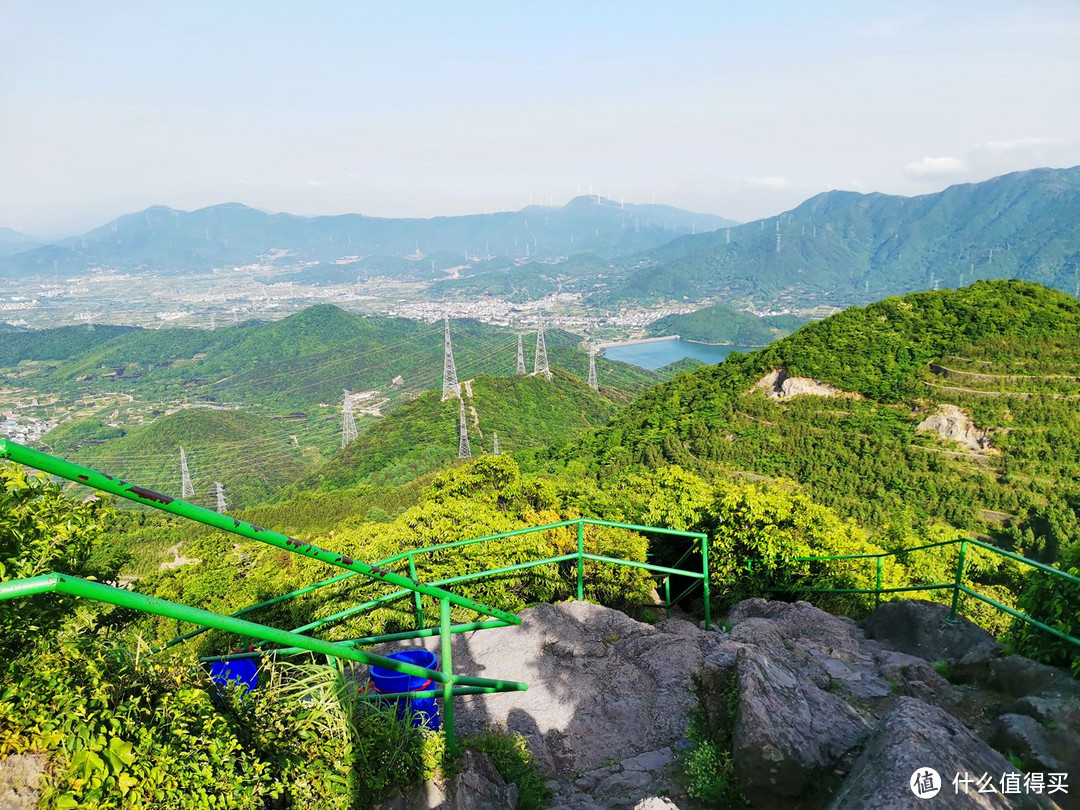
{"x": 933, "y": 167}
{"x": 771, "y": 183}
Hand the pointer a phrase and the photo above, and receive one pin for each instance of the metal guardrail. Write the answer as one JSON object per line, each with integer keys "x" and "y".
{"x": 957, "y": 585}
{"x": 295, "y": 641}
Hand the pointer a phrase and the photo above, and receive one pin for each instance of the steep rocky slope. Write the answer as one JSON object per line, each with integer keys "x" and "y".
{"x": 816, "y": 710}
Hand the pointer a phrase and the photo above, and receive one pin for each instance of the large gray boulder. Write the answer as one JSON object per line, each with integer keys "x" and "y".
{"x": 918, "y": 627}
{"x": 913, "y": 737}
{"x": 608, "y": 696}
{"x": 789, "y": 734}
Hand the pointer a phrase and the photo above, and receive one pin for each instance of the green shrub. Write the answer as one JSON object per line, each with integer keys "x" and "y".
{"x": 512, "y": 758}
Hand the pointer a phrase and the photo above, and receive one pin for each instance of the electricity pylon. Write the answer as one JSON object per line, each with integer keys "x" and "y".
{"x": 450, "y": 387}
{"x": 494, "y": 444}
{"x": 540, "y": 361}
{"x": 186, "y": 489}
{"x": 348, "y": 424}
{"x": 592, "y": 369}
{"x": 521, "y": 359}
{"x": 463, "y": 448}
{"x": 219, "y": 490}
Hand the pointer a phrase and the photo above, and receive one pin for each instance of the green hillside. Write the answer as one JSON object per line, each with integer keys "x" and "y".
{"x": 299, "y": 363}
{"x": 1007, "y": 353}
{"x": 251, "y": 456}
{"x": 55, "y": 344}
{"x": 526, "y": 413}
{"x": 843, "y": 248}
{"x": 723, "y": 324}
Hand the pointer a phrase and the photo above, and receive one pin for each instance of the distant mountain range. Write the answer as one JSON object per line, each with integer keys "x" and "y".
{"x": 844, "y": 248}
{"x": 169, "y": 241}
{"x": 12, "y": 242}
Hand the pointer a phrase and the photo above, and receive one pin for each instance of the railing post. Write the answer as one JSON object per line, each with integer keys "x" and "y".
{"x": 448, "y": 687}
{"x": 877, "y": 589}
{"x": 705, "y": 571}
{"x": 959, "y": 581}
{"x": 581, "y": 559}
{"x": 667, "y": 595}
{"x": 416, "y": 594}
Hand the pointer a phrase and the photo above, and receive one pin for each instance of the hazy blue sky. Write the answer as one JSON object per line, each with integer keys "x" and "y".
{"x": 422, "y": 109}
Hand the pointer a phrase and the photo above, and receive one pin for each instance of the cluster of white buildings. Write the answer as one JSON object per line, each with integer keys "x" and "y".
{"x": 24, "y": 429}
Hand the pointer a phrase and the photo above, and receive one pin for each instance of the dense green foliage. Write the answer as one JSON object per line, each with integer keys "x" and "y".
{"x": 514, "y": 762}
{"x": 55, "y": 344}
{"x": 769, "y": 481}
{"x": 526, "y": 412}
{"x": 723, "y": 324}
{"x": 487, "y": 496}
{"x": 293, "y": 364}
{"x": 42, "y": 532}
{"x": 842, "y": 248}
{"x": 251, "y": 456}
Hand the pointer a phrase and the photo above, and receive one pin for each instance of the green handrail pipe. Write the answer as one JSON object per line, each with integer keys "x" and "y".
{"x": 166, "y": 503}
{"x": 96, "y": 591}
{"x": 366, "y": 641}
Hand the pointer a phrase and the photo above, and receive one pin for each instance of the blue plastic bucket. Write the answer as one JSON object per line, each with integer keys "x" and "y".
{"x": 422, "y": 711}
{"x": 239, "y": 669}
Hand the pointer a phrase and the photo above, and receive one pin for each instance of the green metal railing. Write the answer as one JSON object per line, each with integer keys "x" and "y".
{"x": 294, "y": 641}
{"x": 956, "y": 585}
{"x": 699, "y": 545}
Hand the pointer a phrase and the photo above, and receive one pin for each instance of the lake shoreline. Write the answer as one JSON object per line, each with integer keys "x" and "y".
{"x": 655, "y": 353}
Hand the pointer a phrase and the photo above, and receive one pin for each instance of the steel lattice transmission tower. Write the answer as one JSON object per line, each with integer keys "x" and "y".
{"x": 494, "y": 444}
{"x": 186, "y": 489}
{"x": 450, "y": 386}
{"x": 592, "y": 369}
{"x": 463, "y": 448}
{"x": 540, "y": 361}
{"x": 219, "y": 491}
{"x": 521, "y": 359}
{"x": 348, "y": 424}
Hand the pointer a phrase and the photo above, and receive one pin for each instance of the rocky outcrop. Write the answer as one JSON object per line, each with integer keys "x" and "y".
{"x": 951, "y": 423}
{"x": 918, "y": 627}
{"x": 21, "y": 780}
{"x": 813, "y": 707}
{"x": 778, "y": 385}
{"x": 789, "y": 734}
{"x": 608, "y": 699}
{"x": 913, "y": 738}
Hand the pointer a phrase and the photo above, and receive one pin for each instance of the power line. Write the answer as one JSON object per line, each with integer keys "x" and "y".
{"x": 463, "y": 450}
{"x": 348, "y": 424}
{"x": 450, "y": 386}
{"x": 186, "y": 489}
{"x": 540, "y": 359}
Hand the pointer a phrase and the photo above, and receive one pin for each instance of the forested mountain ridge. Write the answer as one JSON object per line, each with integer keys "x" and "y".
{"x": 526, "y": 412}
{"x": 723, "y": 324}
{"x": 842, "y": 248}
{"x": 294, "y": 363}
{"x": 1006, "y": 353}
{"x": 168, "y": 241}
